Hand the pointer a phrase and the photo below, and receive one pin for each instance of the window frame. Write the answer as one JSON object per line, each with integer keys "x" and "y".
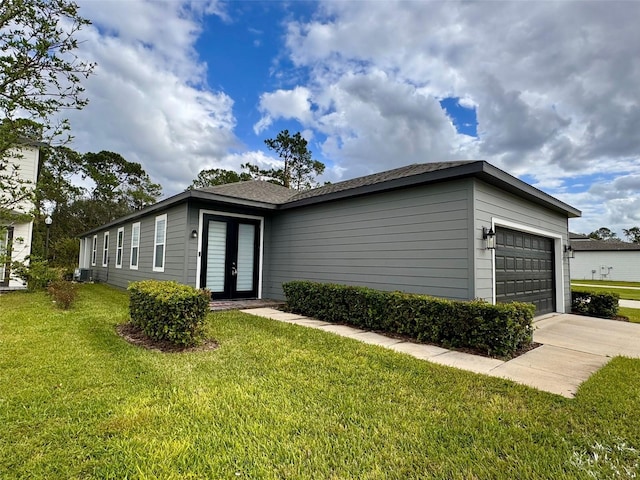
{"x": 135, "y": 245}
{"x": 94, "y": 250}
{"x": 156, "y": 244}
{"x": 105, "y": 249}
{"x": 119, "y": 247}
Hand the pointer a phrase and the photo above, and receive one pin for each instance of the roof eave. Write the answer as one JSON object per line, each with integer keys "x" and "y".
{"x": 460, "y": 171}
{"x": 180, "y": 198}
{"x": 495, "y": 176}
{"x": 479, "y": 169}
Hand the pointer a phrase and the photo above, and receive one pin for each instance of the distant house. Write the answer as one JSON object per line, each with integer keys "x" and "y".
{"x": 15, "y": 239}
{"x": 420, "y": 228}
{"x": 599, "y": 260}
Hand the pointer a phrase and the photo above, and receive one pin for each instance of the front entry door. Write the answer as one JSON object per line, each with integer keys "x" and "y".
{"x": 230, "y": 251}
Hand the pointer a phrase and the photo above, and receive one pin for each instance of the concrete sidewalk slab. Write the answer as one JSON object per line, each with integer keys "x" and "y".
{"x": 375, "y": 339}
{"x": 309, "y": 322}
{"x": 553, "y": 369}
{"x": 342, "y": 330}
{"x": 590, "y": 335}
{"x": 466, "y": 361}
{"x": 418, "y": 350}
{"x": 275, "y": 315}
{"x": 629, "y": 303}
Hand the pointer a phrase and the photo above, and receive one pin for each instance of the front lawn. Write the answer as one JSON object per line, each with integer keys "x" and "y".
{"x": 633, "y": 314}
{"x": 607, "y": 282}
{"x": 282, "y": 401}
{"x": 625, "y": 293}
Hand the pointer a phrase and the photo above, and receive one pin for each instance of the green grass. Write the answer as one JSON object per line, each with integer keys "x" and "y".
{"x": 632, "y": 313}
{"x": 622, "y": 292}
{"x": 607, "y": 282}
{"x": 282, "y": 401}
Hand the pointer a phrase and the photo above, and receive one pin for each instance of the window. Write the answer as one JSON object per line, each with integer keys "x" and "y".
{"x": 135, "y": 245}
{"x": 159, "y": 243}
{"x": 94, "y": 250}
{"x": 105, "y": 250}
{"x": 119, "y": 247}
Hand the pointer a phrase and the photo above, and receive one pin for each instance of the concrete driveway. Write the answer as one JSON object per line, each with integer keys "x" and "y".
{"x": 574, "y": 347}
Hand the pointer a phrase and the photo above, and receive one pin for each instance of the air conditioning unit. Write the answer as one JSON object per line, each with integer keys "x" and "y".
{"x": 82, "y": 275}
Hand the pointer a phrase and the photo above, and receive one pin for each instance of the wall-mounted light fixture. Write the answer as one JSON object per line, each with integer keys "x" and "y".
{"x": 569, "y": 252}
{"x": 490, "y": 237}
{"x": 194, "y": 234}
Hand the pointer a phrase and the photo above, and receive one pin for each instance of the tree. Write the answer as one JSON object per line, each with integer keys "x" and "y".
{"x": 632, "y": 234}
{"x": 39, "y": 72}
{"x": 299, "y": 169}
{"x": 39, "y": 76}
{"x": 117, "y": 187}
{"x": 217, "y": 176}
{"x": 122, "y": 185}
{"x": 605, "y": 234}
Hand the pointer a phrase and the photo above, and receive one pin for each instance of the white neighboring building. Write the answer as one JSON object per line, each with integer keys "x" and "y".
{"x": 598, "y": 260}
{"x": 17, "y": 237}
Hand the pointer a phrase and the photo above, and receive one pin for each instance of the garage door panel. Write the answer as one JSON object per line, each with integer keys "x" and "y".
{"x": 525, "y": 269}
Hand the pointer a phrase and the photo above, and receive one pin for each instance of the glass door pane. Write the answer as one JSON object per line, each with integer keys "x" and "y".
{"x": 216, "y": 256}
{"x": 246, "y": 250}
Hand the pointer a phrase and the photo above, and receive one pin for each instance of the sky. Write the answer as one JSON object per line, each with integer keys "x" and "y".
{"x": 547, "y": 91}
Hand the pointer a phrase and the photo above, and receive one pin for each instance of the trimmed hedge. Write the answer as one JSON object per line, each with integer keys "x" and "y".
{"x": 169, "y": 311}
{"x": 603, "y": 305}
{"x": 498, "y": 330}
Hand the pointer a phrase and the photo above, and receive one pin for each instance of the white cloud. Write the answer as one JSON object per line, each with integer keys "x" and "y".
{"x": 294, "y": 104}
{"x": 555, "y": 89}
{"x": 149, "y": 99}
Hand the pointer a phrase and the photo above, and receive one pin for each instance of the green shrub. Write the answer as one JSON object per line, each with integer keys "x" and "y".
{"x": 498, "y": 330}
{"x": 169, "y": 311}
{"x": 36, "y": 273}
{"x": 603, "y": 305}
{"x": 64, "y": 293}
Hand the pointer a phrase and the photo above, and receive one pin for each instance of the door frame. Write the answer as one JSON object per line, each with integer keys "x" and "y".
{"x": 558, "y": 266}
{"x": 202, "y": 213}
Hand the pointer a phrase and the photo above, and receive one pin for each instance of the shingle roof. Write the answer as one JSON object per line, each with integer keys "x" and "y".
{"x": 601, "y": 246}
{"x": 257, "y": 190}
{"x": 268, "y": 196}
{"x": 578, "y": 236}
{"x": 261, "y": 191}
{"x": 402, "y": 172}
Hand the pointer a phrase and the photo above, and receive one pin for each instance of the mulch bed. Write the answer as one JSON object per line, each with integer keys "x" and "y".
{"x": 135, "y": 336}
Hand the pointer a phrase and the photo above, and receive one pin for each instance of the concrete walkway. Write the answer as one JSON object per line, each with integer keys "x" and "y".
{"x": 629, "y": 303}
{"x": 573, "y": 348}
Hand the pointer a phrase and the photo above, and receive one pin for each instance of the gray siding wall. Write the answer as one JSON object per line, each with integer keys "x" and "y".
{"x": 491, "y": 202}
{"x": 178, "y": 245}
{"x": 413, "y": 240}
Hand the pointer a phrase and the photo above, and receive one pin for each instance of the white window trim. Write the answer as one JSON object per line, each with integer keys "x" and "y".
{"x": 137, "y": 245}
{"x": 105, "y": 249}
{"x": 94, "y": 250}
{"x": 120, "y": 247}
{"x": 160, "y": 218}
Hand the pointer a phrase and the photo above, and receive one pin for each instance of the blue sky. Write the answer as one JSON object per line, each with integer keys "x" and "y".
{"x": 185, "y": 85}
